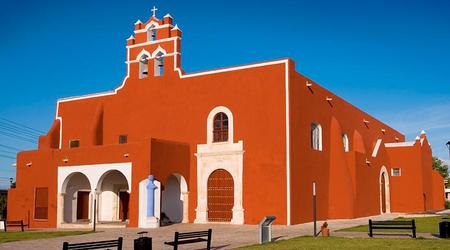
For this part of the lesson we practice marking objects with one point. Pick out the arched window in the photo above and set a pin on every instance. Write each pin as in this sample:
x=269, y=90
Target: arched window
x=159, y=64
x=316, y=137
x=151, y=33
x=345, y=142
x=220, y=127
x=143, y=67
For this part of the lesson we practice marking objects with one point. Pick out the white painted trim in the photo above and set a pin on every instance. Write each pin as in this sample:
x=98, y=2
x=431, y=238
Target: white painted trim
x=165, y=55
x=174, y=38
x=376, y=148
x=93, y=172
x=210, y=122
x=142, y=53
x=60, y=130
x=288, y=147
x=68, y=99
x=146, y=28
x=158, y=50
x=387, y=190
x=399, y=144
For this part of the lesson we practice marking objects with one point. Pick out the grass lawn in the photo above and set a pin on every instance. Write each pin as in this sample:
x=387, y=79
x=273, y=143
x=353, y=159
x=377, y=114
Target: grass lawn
x=32, y=235
x=423, y=225
x=308, y=242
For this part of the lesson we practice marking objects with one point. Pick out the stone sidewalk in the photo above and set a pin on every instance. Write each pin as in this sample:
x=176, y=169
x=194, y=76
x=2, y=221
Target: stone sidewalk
x=224, y=236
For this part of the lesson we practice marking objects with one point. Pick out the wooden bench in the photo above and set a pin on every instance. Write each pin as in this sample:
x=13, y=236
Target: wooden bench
x=191, y=237
x=14, y=223
x=392, y=224
x=94, y=244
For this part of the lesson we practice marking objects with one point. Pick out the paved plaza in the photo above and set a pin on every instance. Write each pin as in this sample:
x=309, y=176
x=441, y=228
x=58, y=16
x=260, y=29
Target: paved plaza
x=224, y=236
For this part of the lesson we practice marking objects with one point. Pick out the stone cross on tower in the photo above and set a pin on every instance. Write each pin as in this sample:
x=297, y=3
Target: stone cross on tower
x=154, y=11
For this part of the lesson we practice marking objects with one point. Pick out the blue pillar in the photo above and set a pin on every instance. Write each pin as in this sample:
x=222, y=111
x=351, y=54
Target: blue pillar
x=151, y=196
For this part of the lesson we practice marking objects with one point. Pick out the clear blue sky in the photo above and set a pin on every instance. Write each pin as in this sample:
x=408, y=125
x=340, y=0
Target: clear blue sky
x=390, y=58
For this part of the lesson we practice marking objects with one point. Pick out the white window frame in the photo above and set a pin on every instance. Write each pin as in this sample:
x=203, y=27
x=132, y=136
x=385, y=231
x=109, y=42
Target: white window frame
x=315, y=126
x=399, y=172
x=346, y=142
x=210, y=122
x=151, y=33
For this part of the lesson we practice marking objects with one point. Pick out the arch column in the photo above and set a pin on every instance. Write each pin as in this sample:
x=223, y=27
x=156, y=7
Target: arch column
x=60, y=209
x=387, y=190
x=185, y=199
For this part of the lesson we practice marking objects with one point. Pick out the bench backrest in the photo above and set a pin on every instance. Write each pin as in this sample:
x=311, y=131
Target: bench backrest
x=94, y=245
x=393, y=223
x=14, y=222
x=189, y=235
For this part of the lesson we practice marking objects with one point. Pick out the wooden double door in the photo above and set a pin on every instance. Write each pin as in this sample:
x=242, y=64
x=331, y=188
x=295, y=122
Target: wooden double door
x=220, y=196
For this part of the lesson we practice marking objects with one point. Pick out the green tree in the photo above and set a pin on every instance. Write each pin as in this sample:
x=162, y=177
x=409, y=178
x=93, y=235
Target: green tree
x=440, y=166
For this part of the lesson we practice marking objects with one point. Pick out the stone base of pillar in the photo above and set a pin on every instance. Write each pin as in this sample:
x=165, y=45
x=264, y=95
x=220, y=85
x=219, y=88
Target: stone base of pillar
x=201, y=216
x=151, y=222
x=238, y=216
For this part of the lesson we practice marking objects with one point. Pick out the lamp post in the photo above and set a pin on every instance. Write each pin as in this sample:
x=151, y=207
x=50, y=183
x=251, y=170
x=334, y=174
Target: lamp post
x=314, y=208
x=448, y=146
x=95, y=208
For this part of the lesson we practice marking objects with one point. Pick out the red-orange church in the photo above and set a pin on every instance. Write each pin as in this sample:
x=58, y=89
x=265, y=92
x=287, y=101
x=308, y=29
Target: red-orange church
x=226, y=145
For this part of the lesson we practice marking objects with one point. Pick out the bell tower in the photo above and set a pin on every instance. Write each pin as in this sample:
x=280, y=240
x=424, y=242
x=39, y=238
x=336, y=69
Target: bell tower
x=154, y=48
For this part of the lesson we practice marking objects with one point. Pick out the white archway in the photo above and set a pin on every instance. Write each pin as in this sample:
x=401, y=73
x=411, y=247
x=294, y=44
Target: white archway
x=174, y=201
x=76, y=195
x=387, y=195
x=93, y=173
x=112, y=196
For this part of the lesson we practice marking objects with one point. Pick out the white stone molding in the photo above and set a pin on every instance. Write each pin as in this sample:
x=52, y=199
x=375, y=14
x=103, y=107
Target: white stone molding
x=210, y=121
x=387, y=189
x=222, y=155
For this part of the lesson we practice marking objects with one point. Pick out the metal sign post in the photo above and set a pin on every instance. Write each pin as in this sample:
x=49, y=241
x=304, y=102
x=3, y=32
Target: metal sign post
x=314, y=208
x=265, y=229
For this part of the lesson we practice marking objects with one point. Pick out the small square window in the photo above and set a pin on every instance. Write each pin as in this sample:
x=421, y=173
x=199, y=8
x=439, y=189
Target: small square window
x=74, y=143
x=123, y=139
x=396, y=172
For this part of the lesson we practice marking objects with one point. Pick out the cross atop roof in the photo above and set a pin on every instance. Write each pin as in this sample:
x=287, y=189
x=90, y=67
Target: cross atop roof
x=154, y=11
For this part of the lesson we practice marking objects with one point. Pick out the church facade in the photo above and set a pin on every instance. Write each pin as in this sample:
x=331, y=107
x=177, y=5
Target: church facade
x=230, y=145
